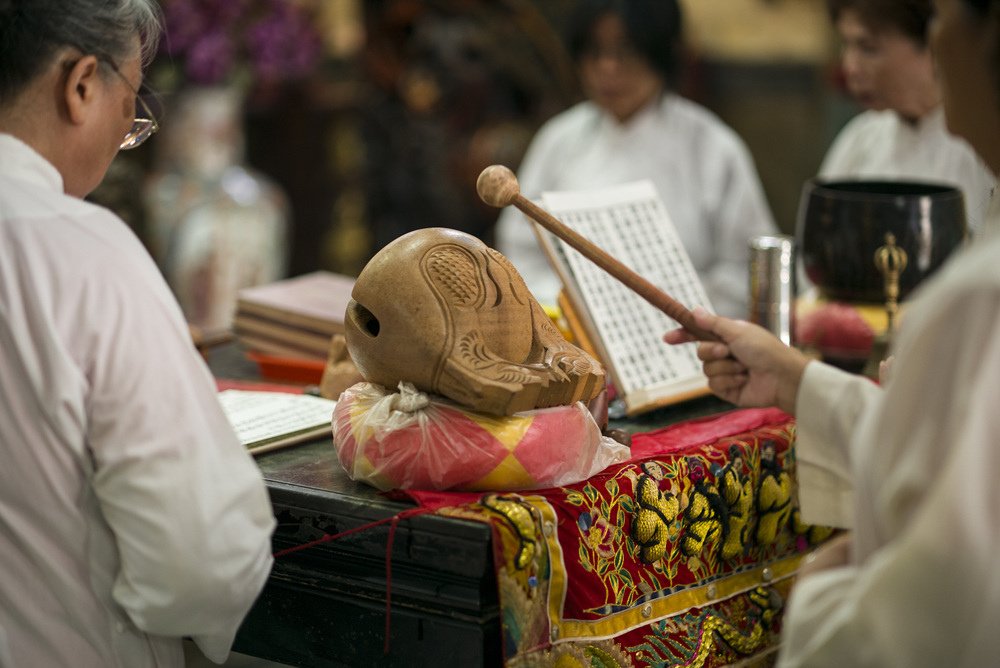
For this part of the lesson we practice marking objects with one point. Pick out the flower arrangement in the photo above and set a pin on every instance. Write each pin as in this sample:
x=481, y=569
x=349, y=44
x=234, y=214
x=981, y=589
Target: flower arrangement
x=248, y=42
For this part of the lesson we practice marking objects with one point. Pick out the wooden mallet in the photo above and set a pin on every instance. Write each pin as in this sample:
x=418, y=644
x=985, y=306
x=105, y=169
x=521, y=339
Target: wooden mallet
x=497, y=186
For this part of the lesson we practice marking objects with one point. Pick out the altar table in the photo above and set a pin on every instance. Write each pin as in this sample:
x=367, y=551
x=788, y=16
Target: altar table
x=677, y=558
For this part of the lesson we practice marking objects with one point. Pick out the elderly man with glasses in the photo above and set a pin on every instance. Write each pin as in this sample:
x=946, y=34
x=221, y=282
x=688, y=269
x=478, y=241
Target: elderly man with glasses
x=130, y=516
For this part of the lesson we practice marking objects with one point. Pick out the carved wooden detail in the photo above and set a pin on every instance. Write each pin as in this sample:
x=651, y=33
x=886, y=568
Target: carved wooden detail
x=440, y=309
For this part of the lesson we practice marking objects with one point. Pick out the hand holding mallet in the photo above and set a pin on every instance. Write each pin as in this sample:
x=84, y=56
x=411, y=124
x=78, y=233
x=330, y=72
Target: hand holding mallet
x=497, y=186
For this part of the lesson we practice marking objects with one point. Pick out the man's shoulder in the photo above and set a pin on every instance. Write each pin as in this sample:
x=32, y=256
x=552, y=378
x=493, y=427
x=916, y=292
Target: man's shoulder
x=39, y=216
x=689, y=119
x=71, y=242
x=571, y=122
x=862, y=145
x=689, y=110
x=869, y=124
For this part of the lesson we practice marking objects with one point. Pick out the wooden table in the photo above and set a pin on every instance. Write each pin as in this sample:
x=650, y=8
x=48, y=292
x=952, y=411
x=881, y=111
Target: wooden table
x=326, y=605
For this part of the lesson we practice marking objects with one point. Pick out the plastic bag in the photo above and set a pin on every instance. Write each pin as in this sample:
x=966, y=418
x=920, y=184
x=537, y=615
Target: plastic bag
x=410, y=440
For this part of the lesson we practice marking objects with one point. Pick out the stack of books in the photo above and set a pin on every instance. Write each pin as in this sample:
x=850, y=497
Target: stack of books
x=294, y=317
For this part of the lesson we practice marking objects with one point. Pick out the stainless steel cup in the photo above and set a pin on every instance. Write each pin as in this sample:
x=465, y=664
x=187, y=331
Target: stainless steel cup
x=772, y=284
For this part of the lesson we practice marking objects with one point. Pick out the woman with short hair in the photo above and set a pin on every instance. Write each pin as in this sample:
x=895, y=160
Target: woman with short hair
x=888, y=69
x=634, y=126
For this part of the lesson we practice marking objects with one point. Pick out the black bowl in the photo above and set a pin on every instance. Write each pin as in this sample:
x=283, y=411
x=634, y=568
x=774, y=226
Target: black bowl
x=841, y=224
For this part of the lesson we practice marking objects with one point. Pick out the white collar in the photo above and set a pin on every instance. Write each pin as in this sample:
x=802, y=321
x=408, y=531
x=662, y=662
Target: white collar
x=23, y=163
x=932, y=121
x=644, y=116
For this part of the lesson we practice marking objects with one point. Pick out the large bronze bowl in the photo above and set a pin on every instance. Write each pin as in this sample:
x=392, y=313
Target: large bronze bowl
x=841, y=225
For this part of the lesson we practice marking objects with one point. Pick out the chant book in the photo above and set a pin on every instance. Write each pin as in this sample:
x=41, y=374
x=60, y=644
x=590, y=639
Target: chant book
x=266, y=421
x=631, y=223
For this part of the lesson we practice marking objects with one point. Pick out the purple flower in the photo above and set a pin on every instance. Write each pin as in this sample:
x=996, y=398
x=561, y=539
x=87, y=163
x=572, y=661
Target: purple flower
x=228, y=12
x=282, y=44
x=210, y=58
x=214, y=39
x=184, y=22
x=599, y=538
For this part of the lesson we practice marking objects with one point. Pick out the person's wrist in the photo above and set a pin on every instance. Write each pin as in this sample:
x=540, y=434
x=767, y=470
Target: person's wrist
x=788, y=388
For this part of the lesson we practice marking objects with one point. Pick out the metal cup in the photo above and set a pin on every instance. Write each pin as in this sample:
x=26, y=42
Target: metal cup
x=772, y=284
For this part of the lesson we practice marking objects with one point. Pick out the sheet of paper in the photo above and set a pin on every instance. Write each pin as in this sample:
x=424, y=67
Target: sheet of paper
x=262, y=418
x=631, y=223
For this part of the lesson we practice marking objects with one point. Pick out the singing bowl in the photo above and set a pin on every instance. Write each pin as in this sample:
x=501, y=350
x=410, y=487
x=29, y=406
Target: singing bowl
x=841, y=224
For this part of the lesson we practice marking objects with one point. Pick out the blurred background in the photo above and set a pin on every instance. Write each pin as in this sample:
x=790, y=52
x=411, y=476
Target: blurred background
x=299, y=135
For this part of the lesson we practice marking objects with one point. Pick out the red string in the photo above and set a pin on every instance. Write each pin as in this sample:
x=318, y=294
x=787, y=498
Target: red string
x=401, y=515
x=388, y=581
x=394, y=520
x=328, y=537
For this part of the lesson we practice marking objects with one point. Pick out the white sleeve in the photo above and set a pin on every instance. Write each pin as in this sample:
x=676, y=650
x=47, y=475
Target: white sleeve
x=828, y=406
x=5, y=659
x=741, y=212
x=186, y=502
x=924, y=588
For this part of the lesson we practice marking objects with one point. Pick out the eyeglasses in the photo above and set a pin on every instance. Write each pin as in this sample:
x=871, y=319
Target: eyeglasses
x=142, y=128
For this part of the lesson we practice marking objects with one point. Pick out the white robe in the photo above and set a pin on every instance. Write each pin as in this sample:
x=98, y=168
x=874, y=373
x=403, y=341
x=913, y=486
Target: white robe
x=879, y=144
x=922, y=463
x=701, y=169
x=130, y=515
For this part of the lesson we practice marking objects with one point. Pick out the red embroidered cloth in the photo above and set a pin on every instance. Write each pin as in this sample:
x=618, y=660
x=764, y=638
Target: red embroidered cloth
x=681, y=556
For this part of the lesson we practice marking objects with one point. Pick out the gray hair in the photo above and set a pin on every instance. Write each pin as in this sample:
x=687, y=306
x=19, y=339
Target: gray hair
x=33, y=31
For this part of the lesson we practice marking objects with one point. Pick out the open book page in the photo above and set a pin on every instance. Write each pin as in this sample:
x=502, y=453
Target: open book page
x=265, y=421
x=631, y=224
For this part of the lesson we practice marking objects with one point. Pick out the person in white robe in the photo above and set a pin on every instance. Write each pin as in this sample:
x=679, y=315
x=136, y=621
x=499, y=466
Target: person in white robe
x=130, y=515
x=632, y=127
x=915, y=463
x=887, y=68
